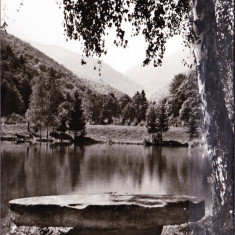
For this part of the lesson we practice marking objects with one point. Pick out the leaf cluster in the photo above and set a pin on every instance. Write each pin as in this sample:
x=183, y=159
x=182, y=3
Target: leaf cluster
x=158, y=20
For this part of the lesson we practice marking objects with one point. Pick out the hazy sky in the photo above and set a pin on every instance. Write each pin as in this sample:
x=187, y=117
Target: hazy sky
x=42, y=21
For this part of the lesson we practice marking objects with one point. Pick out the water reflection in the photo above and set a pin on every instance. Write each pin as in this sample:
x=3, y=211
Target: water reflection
x=38, y=170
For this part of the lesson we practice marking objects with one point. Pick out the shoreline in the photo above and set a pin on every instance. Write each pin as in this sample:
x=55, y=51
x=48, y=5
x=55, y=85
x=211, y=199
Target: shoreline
x=108, y=134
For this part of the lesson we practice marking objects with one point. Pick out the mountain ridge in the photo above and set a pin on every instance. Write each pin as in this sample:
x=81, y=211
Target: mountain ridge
x=153, y=78
x=90, y=68
x=21, y=64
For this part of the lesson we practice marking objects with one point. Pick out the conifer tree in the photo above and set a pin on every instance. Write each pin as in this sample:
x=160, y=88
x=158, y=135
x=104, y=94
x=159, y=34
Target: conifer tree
x=76, y=118
x=151, y=122
x=144, y=106
x=62, y=128
x=162, y=121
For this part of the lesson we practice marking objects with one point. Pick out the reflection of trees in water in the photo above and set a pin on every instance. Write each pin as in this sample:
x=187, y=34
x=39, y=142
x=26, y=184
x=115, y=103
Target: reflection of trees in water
x=177, y=170
x=156, y=161
x=140, y=173
x=170, y=167
x=75, y=157
x=48, y=170
x=37, y=170
x=108, y=162
x=173, y=174
x=12, y=169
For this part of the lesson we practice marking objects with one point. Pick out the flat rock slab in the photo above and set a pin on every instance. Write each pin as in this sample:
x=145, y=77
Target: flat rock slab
x=106, y=211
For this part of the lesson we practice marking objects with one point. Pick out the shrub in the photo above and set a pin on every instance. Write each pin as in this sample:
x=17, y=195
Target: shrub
x=16, y=118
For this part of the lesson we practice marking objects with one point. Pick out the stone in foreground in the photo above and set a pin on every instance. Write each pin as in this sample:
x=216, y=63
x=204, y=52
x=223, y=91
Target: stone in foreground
x=106, y=211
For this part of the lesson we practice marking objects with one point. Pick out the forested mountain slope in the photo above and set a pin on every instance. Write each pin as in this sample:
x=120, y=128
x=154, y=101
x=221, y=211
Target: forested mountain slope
x=90, y=68
x=43, y=91
x=22, y=66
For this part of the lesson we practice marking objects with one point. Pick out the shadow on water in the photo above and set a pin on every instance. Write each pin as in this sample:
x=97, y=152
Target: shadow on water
x=41, y=169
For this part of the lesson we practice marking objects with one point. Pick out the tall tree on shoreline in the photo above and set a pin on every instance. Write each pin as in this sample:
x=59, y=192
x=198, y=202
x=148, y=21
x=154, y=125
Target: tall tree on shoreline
x=38, y=103
x=44, y=102
x=206, y=23
x=76, y=118
x=162, y=121
x=151, y=122
x=144, y=105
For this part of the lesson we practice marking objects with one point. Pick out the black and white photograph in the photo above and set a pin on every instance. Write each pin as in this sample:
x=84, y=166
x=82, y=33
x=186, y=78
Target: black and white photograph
x=117, y=117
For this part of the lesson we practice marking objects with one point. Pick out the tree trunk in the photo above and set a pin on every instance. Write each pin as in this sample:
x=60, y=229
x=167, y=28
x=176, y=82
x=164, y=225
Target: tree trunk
x=218, y=130
x=28, y=127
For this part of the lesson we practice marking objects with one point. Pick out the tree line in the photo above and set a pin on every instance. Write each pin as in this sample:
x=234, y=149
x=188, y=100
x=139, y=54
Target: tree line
x=108, y=109
x=183, y=107
x=53, y=108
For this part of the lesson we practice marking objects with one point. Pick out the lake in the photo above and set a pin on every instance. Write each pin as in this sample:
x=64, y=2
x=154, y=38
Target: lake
x=44, y=169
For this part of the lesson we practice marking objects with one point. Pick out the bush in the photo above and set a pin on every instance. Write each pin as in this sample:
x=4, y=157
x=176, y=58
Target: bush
x=63, y=136
x=16, y=118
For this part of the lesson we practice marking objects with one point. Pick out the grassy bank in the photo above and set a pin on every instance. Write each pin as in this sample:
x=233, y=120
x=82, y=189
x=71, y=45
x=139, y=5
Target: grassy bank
x=109, y=133
x=133, y=134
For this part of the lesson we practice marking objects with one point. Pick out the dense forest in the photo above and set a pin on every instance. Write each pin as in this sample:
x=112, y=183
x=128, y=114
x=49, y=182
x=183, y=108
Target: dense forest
x=183, y=107
x=37, y=88
x=43, y=93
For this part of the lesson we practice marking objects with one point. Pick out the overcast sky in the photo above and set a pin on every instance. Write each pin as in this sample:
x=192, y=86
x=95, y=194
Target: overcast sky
x=42, y=21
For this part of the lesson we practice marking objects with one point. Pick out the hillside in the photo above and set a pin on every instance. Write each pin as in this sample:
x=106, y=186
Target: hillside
x=90, y=69
x=161, y=93
x=152, y=78
x=21, y=65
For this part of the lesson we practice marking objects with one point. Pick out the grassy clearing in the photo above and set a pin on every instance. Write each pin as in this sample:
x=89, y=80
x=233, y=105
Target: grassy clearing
x=107, y=133
x=133, y=134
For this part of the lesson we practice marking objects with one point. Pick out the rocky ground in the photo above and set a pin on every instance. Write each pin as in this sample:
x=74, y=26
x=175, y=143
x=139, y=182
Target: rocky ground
x=202, y=227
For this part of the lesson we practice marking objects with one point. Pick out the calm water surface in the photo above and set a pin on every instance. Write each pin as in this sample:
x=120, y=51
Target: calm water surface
x=37, y=170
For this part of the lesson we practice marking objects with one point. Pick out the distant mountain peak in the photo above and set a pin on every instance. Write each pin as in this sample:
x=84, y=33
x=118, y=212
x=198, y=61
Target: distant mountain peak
x=153, y=78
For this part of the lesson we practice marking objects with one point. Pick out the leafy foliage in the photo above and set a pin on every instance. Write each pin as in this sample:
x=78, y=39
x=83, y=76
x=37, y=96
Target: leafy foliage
x=23, y=64
x=184, y=100
x=35, y=85
x=12, y=101
x=135, y=109
x=157, y=122
x=44, y=102
x=62, y=126
x=88, y=20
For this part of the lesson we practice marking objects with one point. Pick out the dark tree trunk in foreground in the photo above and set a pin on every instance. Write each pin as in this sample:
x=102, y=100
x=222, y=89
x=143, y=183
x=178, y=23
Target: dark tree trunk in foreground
x=219, y=133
